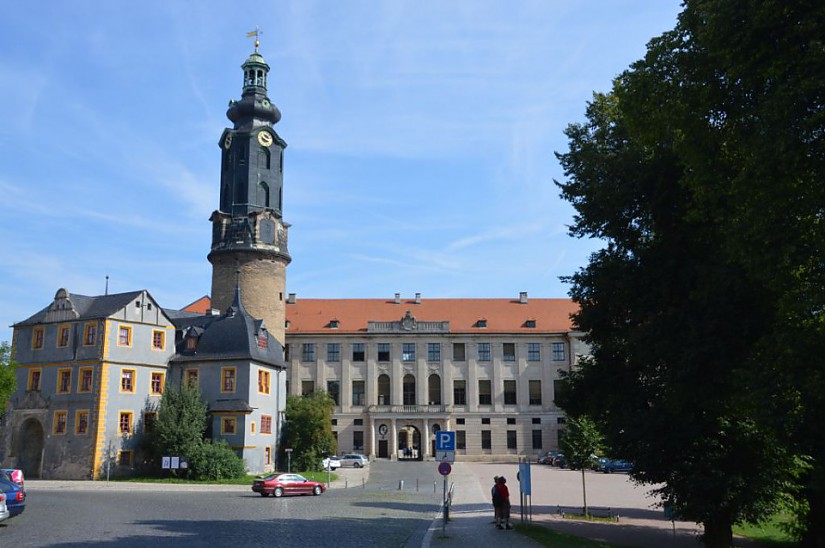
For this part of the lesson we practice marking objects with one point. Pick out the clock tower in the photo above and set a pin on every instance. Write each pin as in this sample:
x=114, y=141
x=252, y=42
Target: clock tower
x=249, y=235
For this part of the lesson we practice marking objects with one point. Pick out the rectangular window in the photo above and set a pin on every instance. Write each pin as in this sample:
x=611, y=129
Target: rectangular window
x=263, y=340
x=333, y=352
x=509, y=350
x=384, y=352
x=81, y=422
x=228, y=425
x=90, y=334
x=486, y=439
x=61, y=419
x=63, y=336
x=263, y=381
x=158, y=340
x=150, y=419
x=64, y=381
x=192, y=376
x=358, y=440
x=485, y=393
x=125, y=422
x=460, y=439
x=85, y=380
x=459, y=353
x=38, y=336
x=227, y=379
x=533, y=352
x=459, y=392
x=511, y=439
x=537, y=439
x=535, y=393
x=460, y=421
x=483, y=352
x=287, y=352
x=267, y=456
x=334, y=391
x=124, y=336
x=266, y=424
x=510, y=397
x=358, y=354
x=252, y=427
x=125, y=458
x=511, y=420
x=433, y=352
x=156, y=384
x=358, y=393
x=34, y=379
x=307, y=388
x=308, y=352
x=127, y=380
x=558, y=352
x=536, y=420
x=485, y=420
x=408, y=352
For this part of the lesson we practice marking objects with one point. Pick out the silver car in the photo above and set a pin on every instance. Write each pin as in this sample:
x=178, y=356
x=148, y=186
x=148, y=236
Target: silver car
x=4, y=510
x=354, y=460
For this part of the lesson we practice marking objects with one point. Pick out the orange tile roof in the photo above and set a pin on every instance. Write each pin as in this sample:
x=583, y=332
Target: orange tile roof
x=312, y=316
x=200, y=306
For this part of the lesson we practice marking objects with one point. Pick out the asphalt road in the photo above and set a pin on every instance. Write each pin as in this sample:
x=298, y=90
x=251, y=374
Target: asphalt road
x=378, y=514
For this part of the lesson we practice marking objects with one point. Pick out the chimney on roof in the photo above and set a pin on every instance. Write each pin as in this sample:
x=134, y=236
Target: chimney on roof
x=522, y=297
x=418, y=298
x=398, y=298
x=290, y=298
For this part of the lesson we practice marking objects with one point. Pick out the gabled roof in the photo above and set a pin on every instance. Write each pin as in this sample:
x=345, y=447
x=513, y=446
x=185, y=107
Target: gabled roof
x=84, y=307
x=199, y=306
x=313, y=316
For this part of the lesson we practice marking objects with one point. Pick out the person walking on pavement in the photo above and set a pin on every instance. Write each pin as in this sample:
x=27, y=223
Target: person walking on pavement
x=496, y=506
x=501, y=496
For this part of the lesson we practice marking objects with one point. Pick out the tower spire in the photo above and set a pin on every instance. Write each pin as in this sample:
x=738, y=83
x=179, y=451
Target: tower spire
x=257, y=32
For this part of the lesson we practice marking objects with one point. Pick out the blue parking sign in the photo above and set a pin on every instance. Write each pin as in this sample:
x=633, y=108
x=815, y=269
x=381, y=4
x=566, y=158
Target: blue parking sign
x=445, y=441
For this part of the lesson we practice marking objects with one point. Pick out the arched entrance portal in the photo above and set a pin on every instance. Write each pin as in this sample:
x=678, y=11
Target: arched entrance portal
x=30, y=448
x=409, y=443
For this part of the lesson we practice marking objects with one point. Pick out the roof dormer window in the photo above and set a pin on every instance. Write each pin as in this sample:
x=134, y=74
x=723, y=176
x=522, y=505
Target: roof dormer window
x=333, y=324
x=481, y=323
x=263, y=340
x=191, y=342
x=530, y=323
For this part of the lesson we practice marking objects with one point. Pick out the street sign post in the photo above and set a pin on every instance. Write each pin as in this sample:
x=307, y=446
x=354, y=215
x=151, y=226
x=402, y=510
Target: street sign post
x=444, y=468
x=445, y=446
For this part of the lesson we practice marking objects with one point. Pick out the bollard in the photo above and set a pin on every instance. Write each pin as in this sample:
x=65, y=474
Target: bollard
x=416, y=485
x=400, y=485
x=363, y=483
x=346, y=483
x=434, y=487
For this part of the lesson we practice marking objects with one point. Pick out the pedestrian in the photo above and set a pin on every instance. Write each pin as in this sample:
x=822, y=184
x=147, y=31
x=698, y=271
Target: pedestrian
x=496, y=501
x=502, y=496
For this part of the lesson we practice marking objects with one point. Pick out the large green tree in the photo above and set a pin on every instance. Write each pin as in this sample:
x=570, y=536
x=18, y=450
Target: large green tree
x=309, y=429
x=701, y=170
x=181, y=422
x=8, y=377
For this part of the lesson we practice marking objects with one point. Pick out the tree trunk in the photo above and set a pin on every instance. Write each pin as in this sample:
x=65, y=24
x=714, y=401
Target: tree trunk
x=814, y=536
x=718, y=533
x=584, y=494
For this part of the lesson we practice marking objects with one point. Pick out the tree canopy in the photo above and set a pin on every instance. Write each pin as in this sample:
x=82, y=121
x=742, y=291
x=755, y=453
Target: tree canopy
x=580, y=442
x=8, y=377
x=702, y=170
x=309, y=429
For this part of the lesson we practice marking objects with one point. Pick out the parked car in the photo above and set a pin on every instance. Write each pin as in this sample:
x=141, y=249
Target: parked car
x=600, y=463
x=548, y=457
x=15, y=475
x=4, y=510
x=333, y=462
x=617, y=466
x=15, y=495
x=280, y=484
x=354, y=460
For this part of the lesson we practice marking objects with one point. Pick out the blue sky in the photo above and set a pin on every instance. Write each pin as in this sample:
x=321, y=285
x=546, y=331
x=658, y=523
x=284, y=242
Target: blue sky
x=421, y=137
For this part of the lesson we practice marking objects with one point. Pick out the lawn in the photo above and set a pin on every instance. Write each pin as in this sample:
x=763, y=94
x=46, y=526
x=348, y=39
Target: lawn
x=548, y=537
x=768, y=534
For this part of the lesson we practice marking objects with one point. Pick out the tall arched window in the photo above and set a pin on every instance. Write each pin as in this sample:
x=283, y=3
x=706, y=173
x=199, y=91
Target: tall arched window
x=434, y=385
x=264, y=158
x=263, y=189
x=384, y=390
x=409, y=390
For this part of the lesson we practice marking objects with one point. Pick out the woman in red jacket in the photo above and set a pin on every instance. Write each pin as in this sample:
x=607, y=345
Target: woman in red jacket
x=501, y=500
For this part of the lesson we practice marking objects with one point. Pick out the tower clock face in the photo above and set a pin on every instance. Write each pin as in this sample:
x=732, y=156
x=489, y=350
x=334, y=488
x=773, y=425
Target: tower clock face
x=265, y=138
x=227, y=141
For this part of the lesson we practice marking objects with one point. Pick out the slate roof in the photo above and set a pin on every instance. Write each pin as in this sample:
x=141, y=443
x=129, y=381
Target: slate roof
x=231, y=336
x=88, y=308
x=234, y=406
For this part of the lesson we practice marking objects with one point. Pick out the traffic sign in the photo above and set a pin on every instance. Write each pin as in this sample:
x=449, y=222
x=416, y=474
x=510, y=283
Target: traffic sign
x=444, y=441
x=445, y=456
x=445, y=468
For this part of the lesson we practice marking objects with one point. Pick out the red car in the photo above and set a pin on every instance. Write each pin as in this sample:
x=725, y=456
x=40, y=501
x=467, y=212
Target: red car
x=280, y=484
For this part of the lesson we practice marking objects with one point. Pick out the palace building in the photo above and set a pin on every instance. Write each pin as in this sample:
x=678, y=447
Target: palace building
x=91, y=369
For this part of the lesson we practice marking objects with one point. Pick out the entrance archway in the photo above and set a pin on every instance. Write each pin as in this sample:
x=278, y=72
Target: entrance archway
x=30, y=448
x=409, y=443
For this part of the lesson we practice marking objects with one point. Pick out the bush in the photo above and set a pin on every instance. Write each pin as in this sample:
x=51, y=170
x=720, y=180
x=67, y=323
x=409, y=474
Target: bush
x=216, y=461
